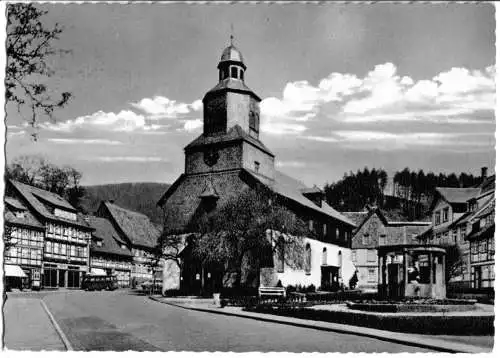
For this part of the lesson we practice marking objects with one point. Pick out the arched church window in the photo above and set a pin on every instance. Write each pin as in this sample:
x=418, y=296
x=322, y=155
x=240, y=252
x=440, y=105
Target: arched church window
x=325, y=257
x=308, y=259
x=234, y=72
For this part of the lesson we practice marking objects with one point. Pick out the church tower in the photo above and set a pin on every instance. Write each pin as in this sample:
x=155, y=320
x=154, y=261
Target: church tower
x=231, y=102
x=231, y=125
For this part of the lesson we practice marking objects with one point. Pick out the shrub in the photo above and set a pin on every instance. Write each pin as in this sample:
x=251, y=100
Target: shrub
x=171, y=293
x=353, y=282
x=311, y=288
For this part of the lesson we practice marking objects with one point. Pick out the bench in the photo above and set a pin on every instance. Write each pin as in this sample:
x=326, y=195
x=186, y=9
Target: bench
x=272, y=291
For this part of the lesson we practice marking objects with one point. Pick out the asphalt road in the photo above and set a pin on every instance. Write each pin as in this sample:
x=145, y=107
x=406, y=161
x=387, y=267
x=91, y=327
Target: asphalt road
x=123, y=320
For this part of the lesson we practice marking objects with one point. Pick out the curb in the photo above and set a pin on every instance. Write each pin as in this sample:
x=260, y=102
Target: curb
x=58, y=329
x=442, y=346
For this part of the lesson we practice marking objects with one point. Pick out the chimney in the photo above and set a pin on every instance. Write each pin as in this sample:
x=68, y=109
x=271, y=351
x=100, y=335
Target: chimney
x=484, y=173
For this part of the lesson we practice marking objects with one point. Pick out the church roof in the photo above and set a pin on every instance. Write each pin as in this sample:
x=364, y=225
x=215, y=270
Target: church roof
x=231, y=53
x=232, y=84
x=292, y=189
x=233, y=134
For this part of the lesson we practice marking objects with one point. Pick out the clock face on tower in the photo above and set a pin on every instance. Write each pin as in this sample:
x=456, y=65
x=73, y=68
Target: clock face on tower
x=210, y=156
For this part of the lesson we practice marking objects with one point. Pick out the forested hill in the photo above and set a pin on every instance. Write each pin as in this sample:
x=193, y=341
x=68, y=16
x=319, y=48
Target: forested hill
x=140, y=197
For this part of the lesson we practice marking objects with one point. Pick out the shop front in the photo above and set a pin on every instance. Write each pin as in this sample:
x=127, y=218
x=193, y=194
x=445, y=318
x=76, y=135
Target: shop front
x=62, y=275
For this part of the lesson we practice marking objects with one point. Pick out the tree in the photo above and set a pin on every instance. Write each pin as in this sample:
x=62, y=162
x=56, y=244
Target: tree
x=248, y=226
x=454, y=262
x=355, y=191
x=29, y=45
x=36, y=171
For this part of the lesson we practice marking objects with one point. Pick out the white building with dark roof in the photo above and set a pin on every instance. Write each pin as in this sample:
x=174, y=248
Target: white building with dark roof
x=66, y=239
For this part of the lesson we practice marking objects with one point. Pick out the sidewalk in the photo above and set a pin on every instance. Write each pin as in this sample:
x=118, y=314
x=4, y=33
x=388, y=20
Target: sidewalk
x=28, y=327
x=458, y=344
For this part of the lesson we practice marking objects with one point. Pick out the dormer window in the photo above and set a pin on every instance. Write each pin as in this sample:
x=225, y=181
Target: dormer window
x=65, y=214
x=123, y=246
x=99, y=243
x=445, y=215
x=20, y=214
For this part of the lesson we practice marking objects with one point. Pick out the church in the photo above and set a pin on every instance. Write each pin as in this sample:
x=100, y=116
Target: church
x=228, y=158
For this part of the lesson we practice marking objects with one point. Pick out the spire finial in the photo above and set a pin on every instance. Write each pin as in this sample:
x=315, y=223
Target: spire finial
x=232, y=34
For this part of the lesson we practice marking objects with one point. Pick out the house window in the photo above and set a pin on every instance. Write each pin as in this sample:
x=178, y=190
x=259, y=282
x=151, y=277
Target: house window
x=99, y=243
x=311, y=225
x=371, y=275
x=354, y=256
x=365, y=239
x=242, y=74
x=308, y=259
x=372, y=255
x=324, y=229
x=383, y=239
x=437, y=218
x=256, y=166
x=455, y=235
x=445, y=215
x=325, y=256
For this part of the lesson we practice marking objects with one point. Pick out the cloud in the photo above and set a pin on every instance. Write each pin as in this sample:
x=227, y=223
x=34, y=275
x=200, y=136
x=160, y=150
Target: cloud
x=84, y=141
x=454, y=97
x=160, y=107
x=129, y=159
x=11, y=134
x=192, y=125
x=147, y=116
x=123, y=121
x=362, y=139
x=290, y=164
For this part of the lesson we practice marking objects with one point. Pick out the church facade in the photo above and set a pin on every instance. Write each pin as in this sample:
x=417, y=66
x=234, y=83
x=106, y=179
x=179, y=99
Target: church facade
x=229, y=158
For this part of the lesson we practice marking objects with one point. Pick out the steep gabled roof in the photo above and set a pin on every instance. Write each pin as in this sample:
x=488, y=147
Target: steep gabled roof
x=28, y=219
x=235, y=133
x=41, y=201
x=138, y=228
x=292, y=189
x=458, y=195
x=485, y=232
x=357, y=217
x=111, y=241
x=14, y=203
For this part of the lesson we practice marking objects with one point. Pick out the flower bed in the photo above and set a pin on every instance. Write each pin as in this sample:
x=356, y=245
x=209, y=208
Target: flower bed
x=414, y=305
x=425, y=323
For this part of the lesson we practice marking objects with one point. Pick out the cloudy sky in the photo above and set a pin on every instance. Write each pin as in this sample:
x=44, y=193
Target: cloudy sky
x=343, y=87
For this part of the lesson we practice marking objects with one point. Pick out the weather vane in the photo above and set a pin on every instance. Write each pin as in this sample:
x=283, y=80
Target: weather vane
x=232, y=34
